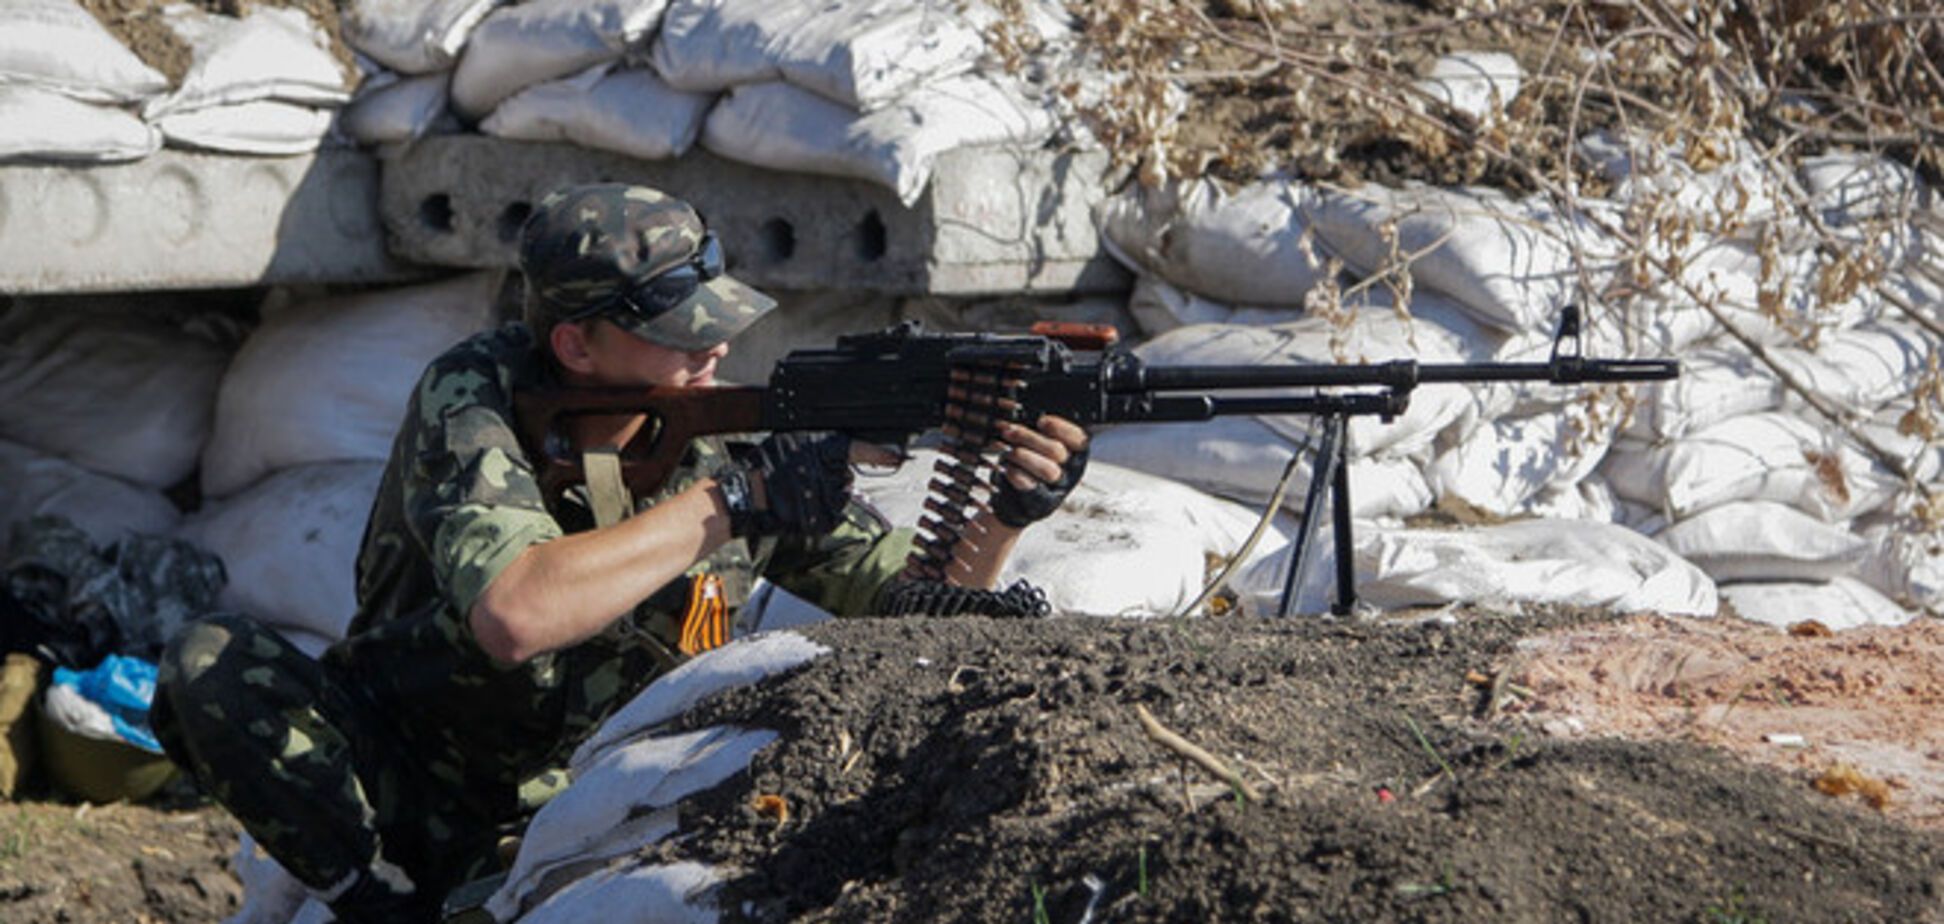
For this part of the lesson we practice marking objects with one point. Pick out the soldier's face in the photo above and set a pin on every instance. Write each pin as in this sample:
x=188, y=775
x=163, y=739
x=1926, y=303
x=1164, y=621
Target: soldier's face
x=618, y=358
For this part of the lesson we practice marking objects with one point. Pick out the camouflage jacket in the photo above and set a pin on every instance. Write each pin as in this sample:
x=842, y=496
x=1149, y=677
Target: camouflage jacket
x=459, y=501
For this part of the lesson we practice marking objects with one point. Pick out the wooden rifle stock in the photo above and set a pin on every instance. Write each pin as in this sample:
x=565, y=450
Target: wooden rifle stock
x=658, y=425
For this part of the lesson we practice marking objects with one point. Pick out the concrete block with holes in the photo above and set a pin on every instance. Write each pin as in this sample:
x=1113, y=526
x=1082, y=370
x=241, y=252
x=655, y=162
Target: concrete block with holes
x=993, y=221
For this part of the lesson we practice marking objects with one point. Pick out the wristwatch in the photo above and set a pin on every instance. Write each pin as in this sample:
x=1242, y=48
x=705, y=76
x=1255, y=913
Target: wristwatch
x=733, y=482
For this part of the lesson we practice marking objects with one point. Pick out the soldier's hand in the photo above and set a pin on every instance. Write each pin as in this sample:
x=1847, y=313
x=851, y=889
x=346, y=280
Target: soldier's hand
x=799, y=484
x=1040, y=468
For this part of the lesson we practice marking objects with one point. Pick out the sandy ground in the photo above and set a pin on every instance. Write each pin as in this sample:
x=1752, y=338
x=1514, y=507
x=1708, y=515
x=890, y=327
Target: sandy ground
x=1865, y=699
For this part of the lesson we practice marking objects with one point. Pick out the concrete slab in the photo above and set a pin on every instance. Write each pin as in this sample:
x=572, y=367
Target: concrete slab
x=993, y=221
x=179, y=220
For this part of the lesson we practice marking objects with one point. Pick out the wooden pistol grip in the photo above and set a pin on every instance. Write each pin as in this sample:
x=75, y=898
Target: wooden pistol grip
x=1078, y=336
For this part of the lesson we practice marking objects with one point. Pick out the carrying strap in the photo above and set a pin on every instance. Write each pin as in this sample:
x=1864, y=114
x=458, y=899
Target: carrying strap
x=606, y=492
x=704, y=623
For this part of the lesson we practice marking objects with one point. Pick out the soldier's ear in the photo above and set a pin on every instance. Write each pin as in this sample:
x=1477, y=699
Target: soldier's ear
x=570, y=347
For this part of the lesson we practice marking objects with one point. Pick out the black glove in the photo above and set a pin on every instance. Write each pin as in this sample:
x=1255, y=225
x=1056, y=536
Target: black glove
x=806, y=478
x=1020, y=508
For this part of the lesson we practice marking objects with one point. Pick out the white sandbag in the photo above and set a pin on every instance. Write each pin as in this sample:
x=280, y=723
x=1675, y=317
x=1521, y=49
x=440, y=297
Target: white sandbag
x=771, y=608
x=1158, y=307
x=742, y=662
x=42, y=125
x=1732, y=194
x=628, y=112
x=1590, y=498
x=1502, y=464
x=1730, y=274
x=1842, y=603
x=866, y=53
x=706, y=46
x=1124, y=543
x=264, y=127
x=1506, y=261
x=272, y=53
x=1899, y=430
x=1240, y=459
x=290, y=544
x=1768, y=456
x=1478, y=84
x=533, y=883
x=669, y=893
x=1366, y=336
x=519, y=46
x=399, y=111
x=784, y=127
x=1906, y=563
x=1252, y=247
x=622, y=785
x=108, y=509
x=1531, y=561
x=58, y=45
x=1852, y=187
x=329, y=380
x=115, y=392
x=1862, y=368
x=1666, y=321
x=412, y=36
x=1715, y=384
x=1764, y=541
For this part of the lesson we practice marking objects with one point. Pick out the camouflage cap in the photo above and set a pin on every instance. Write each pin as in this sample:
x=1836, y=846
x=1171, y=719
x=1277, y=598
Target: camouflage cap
x=639, y=257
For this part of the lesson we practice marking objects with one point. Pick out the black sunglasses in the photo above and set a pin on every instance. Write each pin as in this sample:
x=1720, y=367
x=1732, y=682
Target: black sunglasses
x=661, y=293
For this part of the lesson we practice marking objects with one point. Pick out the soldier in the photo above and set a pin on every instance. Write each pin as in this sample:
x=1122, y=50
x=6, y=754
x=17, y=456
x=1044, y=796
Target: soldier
x=493, y=633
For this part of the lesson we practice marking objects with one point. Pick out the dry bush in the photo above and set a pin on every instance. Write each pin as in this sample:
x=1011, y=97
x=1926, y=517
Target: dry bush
x=1323, y=91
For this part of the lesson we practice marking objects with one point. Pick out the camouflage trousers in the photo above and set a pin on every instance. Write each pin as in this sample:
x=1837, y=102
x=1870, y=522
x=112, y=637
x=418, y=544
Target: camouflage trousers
x=314, y=774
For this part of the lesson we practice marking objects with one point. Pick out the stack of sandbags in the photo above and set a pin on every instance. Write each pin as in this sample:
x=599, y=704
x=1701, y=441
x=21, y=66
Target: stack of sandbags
x=264, y=83
x=416, y=46
x=67, y=87
x=1796, y=516
x=107, y=407
x=1724, y=459
x=304, y=421
x=870, y=89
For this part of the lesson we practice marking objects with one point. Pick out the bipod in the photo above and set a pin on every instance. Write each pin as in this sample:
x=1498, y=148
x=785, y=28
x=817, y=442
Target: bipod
x=1329, y=472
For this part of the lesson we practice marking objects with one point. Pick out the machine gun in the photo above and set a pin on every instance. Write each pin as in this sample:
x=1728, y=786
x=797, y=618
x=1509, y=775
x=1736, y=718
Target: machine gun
x=891, y=386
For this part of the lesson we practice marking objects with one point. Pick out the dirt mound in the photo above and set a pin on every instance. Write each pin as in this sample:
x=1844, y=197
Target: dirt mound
x=974, y=770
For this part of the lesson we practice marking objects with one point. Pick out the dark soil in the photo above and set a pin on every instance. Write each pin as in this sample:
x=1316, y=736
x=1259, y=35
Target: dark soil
x=973, y=770
x=71, y=863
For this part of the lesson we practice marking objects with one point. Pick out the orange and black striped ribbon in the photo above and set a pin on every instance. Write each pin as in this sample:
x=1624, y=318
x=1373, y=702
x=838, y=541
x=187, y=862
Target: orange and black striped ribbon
x=706, y=624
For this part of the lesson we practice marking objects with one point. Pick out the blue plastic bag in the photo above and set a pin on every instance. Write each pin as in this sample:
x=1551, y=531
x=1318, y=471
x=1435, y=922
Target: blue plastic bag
x=123, y=687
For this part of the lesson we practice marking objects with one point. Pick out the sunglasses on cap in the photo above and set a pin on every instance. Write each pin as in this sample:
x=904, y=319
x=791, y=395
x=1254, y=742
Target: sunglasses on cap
x=661, y=293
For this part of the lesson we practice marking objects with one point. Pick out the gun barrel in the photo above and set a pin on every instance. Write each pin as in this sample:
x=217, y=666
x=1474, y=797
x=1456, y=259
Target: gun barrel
x=1402, y=373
